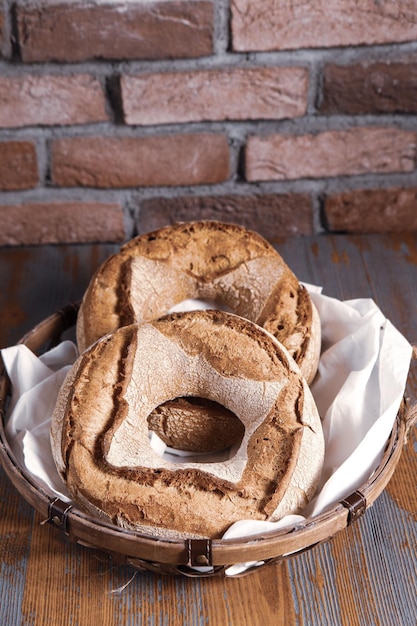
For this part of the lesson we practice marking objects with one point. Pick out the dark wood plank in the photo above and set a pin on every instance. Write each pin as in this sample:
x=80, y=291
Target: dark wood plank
x=368, y=563
x=36, y=281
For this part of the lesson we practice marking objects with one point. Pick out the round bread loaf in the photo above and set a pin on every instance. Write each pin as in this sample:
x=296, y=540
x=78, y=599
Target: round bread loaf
x=208, y=260
x=100, y=430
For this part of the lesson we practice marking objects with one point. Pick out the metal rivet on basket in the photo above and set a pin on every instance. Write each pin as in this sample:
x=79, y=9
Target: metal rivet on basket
x=201, y=559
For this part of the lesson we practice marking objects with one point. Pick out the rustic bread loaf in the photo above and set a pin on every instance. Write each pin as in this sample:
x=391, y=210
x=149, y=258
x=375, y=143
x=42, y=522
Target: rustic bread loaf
x=208, y=260
x=100, y=426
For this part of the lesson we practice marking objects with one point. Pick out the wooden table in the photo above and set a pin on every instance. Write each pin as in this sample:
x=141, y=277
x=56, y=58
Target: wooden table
x=365, y=575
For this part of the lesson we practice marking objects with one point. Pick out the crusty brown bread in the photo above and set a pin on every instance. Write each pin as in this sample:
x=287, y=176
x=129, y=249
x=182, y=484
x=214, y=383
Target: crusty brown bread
x=100, y=437
x=207, y=260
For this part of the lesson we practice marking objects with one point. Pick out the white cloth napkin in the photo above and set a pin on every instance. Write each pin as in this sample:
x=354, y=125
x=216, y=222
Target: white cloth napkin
x=358, y=389
x=35, y=385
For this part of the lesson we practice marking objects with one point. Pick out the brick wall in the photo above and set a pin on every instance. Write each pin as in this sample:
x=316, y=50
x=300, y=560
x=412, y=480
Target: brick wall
x=290, y=118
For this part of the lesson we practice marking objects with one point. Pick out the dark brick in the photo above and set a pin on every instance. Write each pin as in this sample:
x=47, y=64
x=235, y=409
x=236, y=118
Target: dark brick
x=18, y=165
x=372, y=210
x=370, y=89
x=271, y=215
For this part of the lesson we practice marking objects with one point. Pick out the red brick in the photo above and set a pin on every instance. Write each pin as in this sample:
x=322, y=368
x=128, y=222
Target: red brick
x=50, y=100
x=74, y=31
x=221, y=94
x=332, y=153
x=372, y=210
x=271, y=215
x=189, y=159
x=271, y=25
x=18, y=165
x=374, y=88
x=61, y=222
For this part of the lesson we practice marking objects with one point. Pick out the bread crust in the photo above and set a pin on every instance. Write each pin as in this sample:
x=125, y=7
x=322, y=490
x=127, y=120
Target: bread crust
x=208, y=260
x=100, y=430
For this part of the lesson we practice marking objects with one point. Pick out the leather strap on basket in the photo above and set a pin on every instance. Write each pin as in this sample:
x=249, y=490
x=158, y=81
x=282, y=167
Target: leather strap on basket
x=356, y=506
x=69, y=314
x=58, y=514
x=199, y=552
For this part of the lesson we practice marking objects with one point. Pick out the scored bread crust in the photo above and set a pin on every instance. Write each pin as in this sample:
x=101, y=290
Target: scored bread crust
x=99, y=432
x=205, y=260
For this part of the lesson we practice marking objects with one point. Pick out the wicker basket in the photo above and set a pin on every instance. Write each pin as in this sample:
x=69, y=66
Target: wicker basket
x=190, y=557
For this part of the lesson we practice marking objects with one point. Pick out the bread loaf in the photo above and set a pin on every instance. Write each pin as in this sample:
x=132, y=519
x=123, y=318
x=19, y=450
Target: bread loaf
x=100, y=426
x=225, y=263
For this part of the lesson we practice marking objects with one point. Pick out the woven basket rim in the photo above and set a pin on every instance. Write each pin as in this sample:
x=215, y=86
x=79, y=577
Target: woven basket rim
x=147, y=551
